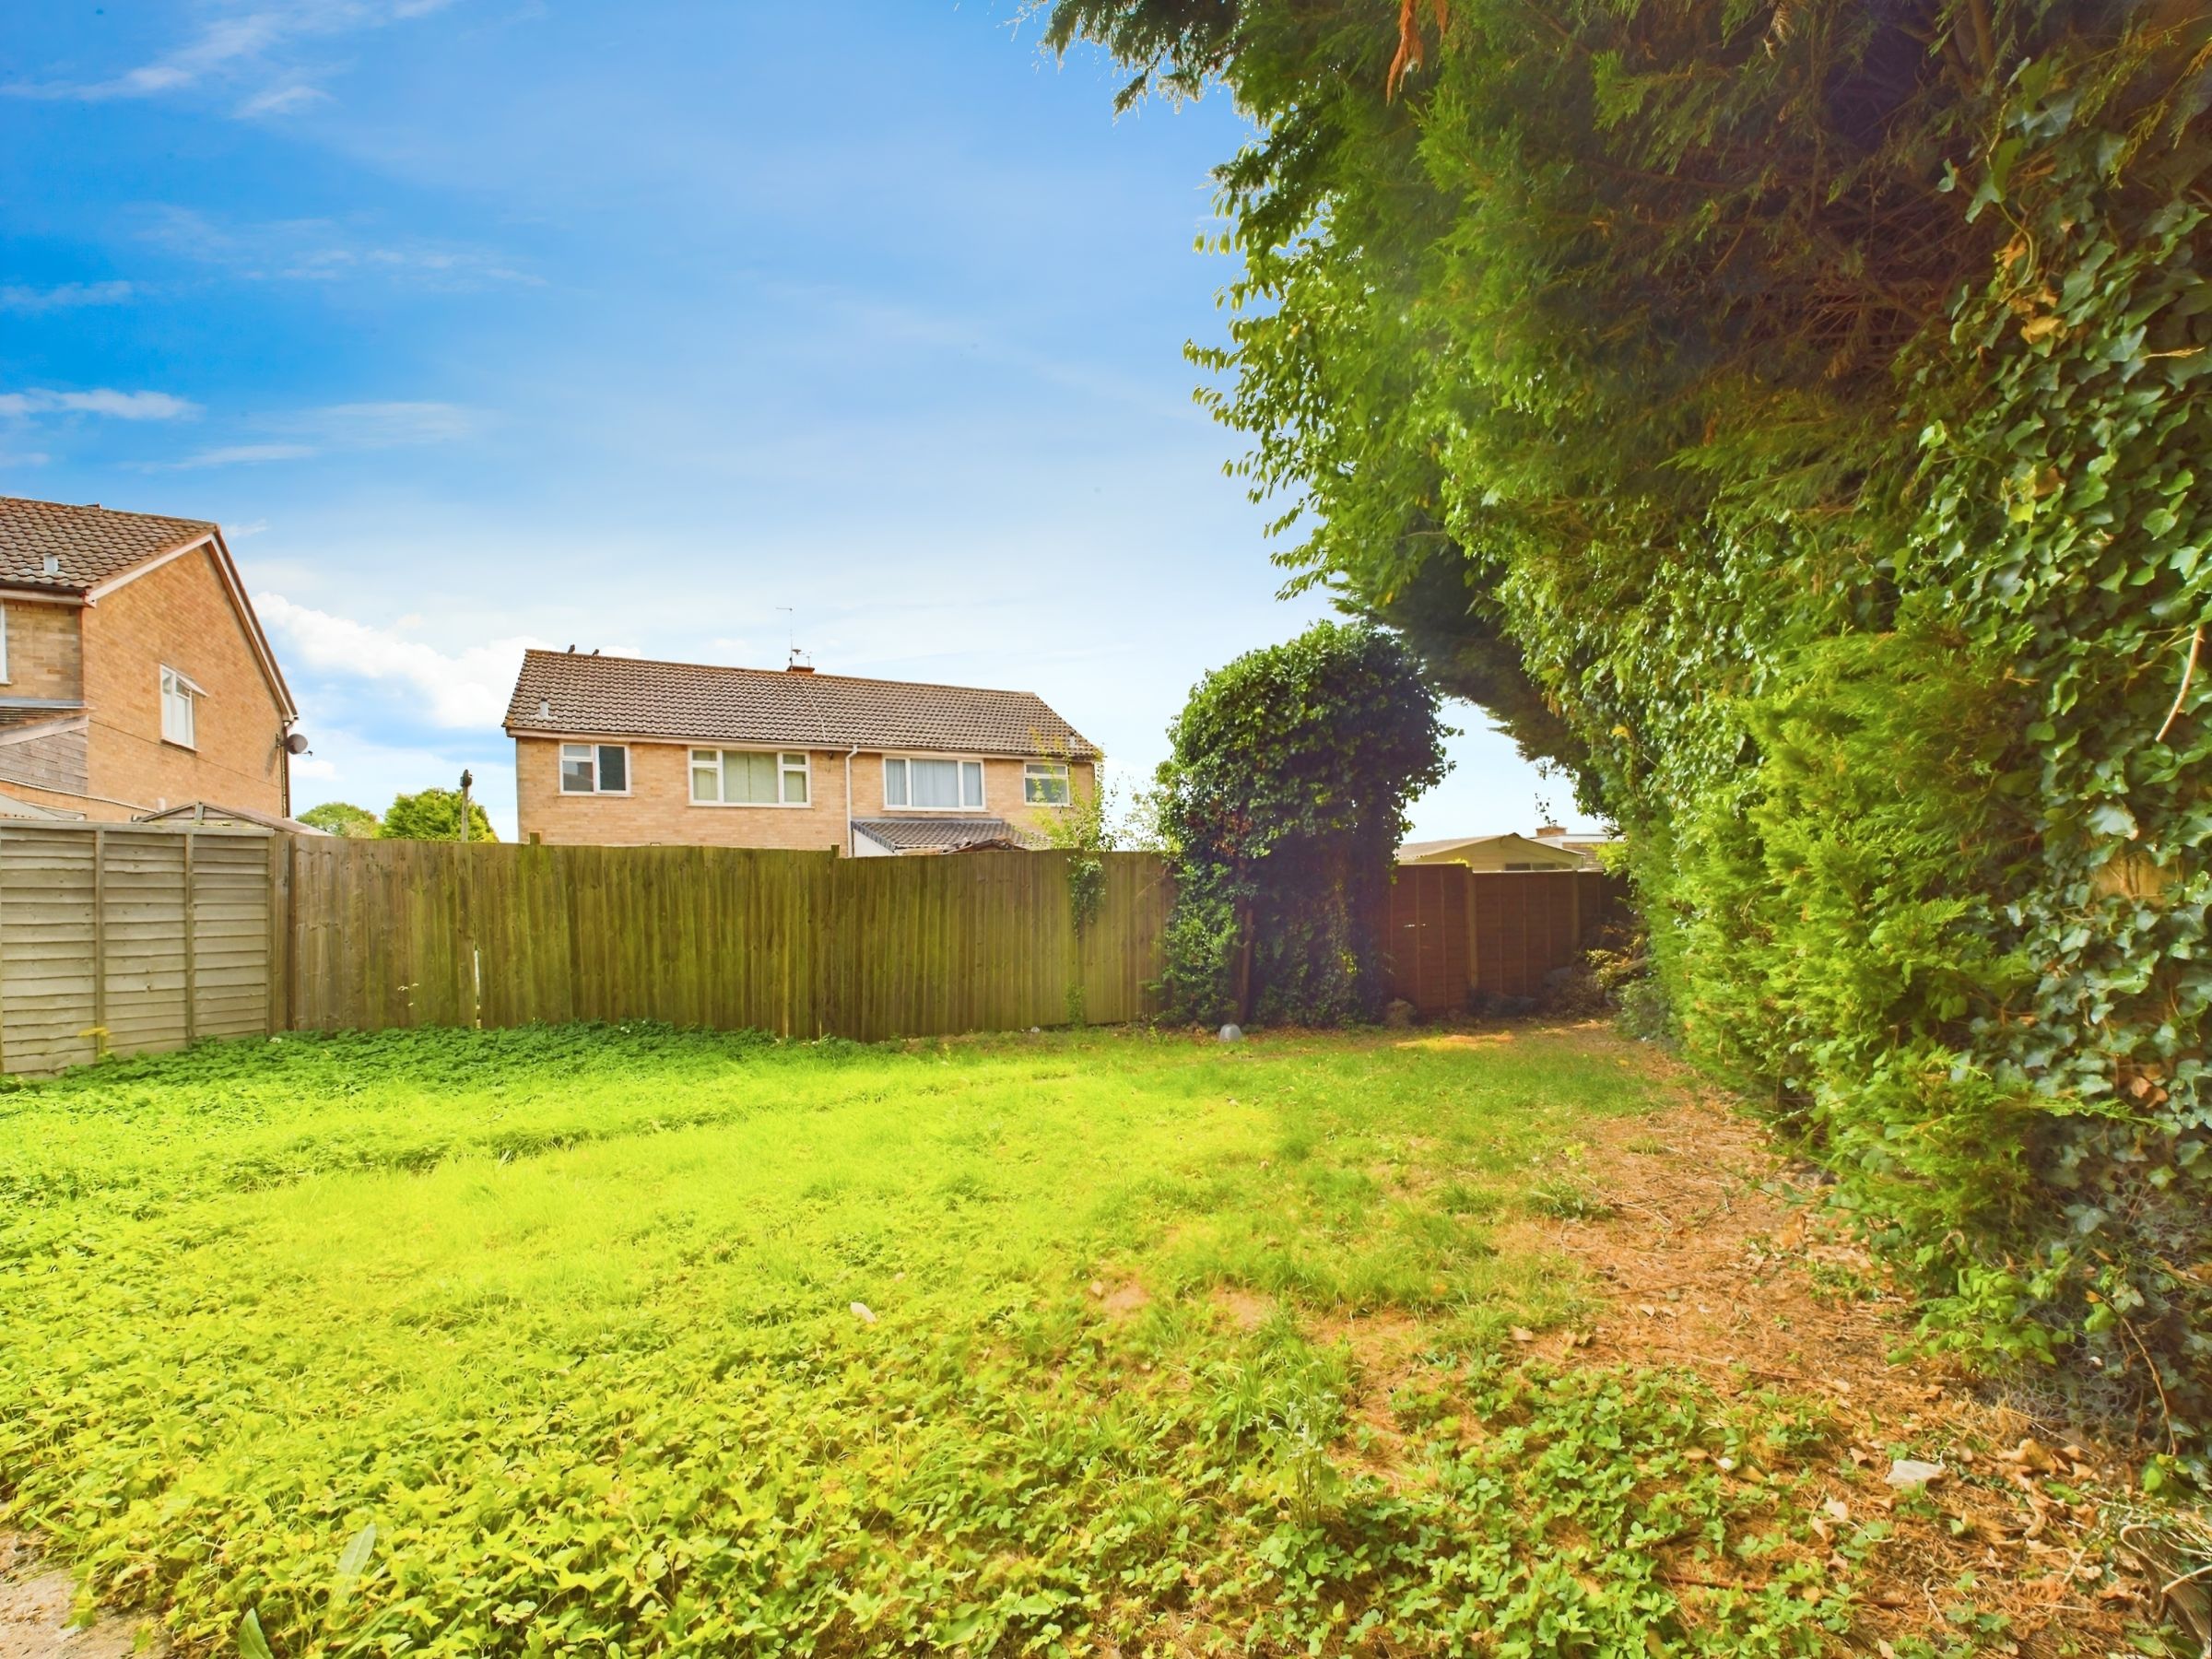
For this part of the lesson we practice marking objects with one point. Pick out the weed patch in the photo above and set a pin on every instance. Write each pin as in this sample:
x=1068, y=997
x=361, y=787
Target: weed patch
x=600, y=1339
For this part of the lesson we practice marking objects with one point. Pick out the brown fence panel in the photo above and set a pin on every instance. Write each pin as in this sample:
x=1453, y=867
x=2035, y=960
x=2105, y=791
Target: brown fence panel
x=803, y=944
x=1426, y=942
x=1454, y=932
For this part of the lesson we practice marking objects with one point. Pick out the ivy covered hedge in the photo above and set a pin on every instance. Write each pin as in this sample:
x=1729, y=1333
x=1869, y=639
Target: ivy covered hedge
x=1790, y=417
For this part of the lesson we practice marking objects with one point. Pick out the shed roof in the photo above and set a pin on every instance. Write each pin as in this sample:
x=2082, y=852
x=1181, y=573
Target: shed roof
x=941, y=835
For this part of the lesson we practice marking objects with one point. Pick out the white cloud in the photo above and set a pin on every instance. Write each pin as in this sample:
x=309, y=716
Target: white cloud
x=67, y=297
x=320, y=250
x=123, y=405
x=341, y=428
x=388, y=425
x=241, y=42
x=282, y=100
x=233, y=454
x=313, y=766
x=462, y=690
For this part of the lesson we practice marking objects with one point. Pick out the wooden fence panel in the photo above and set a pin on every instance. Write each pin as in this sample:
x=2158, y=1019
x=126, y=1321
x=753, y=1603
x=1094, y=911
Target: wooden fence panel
x=129, y=938
x=1454, y=934
x=803, y=944
x=1428, y=934
x=157, y=937
x=231, y=929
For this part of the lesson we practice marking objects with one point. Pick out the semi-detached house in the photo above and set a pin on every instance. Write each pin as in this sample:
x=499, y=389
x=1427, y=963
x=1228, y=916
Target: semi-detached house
x=629, y=751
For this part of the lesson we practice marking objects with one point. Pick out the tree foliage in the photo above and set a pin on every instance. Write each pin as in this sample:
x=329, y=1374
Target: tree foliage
x=433, y=815
x=1282, y=803
x=341, y=819
x=1790, y=415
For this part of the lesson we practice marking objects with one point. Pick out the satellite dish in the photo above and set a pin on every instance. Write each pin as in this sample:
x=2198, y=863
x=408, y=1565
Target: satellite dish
x=295, y=743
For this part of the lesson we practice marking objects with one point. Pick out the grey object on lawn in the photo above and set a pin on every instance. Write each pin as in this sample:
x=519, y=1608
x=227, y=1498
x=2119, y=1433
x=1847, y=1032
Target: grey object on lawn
x=1230, y=1033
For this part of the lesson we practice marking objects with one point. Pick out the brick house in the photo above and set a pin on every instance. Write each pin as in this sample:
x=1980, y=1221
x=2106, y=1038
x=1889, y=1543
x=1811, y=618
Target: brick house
x=133, y=674
x=627, y=751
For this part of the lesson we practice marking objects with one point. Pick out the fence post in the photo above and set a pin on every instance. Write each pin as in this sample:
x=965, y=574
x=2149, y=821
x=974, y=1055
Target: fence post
x=283, y=946
x=191, y=944
x=100, y=941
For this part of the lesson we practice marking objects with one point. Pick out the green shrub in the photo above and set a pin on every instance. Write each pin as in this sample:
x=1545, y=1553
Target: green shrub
x=1282, y=803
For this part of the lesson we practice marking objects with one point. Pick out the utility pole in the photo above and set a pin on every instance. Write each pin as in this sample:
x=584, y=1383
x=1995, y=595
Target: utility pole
x=466, y=780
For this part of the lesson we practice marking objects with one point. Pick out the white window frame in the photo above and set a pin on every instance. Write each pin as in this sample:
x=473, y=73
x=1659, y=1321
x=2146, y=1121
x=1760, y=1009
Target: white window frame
x=1056, y=772
x=982, y=783
x=179, y=693
x=694, y=765
x=561, y=775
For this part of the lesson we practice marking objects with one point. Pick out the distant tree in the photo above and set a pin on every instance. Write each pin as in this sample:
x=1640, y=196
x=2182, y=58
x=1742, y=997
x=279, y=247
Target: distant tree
x=341, y=818
x=433, y=815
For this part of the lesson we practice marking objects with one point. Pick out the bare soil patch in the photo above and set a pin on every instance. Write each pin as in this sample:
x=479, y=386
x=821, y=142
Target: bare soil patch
x=1717, y=1258
x=35, y=1605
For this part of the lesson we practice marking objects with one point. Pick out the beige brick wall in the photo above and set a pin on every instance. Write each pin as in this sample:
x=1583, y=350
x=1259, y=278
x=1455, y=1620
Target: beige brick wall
x=1002, y=792
x=44, y=657
x=180, y=615
x=658, y=807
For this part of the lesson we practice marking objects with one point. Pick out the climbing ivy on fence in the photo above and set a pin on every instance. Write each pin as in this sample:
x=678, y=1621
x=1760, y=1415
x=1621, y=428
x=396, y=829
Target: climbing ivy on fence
x=1790, y=416
x=1282, y=804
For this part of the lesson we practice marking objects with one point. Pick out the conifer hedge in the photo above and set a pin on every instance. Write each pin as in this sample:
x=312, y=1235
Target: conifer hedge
x=1790, y=417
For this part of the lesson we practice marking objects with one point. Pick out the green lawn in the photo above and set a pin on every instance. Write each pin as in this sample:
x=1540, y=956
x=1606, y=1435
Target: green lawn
x=568, y=1317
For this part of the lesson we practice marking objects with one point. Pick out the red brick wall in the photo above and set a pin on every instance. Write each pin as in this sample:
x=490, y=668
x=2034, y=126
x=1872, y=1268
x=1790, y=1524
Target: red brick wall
x=180, y=615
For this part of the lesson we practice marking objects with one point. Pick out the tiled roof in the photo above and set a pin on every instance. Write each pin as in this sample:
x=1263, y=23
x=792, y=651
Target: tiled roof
x=633, y=697
x=940, y=835
x=89, y=544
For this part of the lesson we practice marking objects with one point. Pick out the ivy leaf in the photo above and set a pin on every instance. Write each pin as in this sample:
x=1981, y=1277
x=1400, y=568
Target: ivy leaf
x=252, y=1643
x=2112, y=818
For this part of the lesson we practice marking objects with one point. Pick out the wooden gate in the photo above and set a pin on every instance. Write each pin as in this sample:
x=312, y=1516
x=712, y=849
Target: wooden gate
x=1428, y=936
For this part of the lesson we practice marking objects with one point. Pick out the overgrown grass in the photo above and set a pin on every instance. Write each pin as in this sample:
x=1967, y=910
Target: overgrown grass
x=568, y=1316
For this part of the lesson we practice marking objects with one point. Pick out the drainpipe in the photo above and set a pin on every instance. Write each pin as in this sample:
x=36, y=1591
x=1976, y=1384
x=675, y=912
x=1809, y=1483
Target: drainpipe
x=849, y=754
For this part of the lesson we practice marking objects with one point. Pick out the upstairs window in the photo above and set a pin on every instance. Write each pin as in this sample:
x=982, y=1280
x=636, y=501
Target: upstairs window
x=933, y=785
x=743, y=778
x=178, y=697
x=595, y=769
x=1044, y=784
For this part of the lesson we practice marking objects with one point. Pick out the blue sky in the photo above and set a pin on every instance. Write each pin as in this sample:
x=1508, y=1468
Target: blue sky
x=685, y=329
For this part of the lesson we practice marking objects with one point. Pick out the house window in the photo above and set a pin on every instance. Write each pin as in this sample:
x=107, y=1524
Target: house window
x=178, y=696
x=595, y=769
x=743, y=778
x=1044, y=784
x=933, y=785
